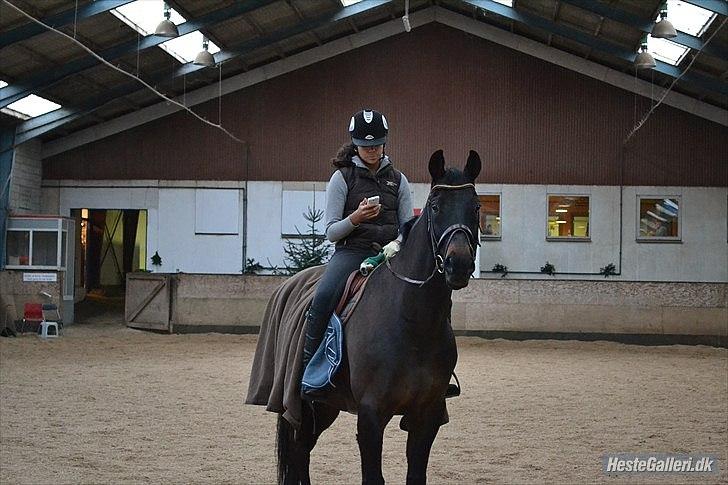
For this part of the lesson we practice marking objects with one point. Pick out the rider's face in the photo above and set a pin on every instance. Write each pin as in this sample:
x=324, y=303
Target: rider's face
x=370, y=155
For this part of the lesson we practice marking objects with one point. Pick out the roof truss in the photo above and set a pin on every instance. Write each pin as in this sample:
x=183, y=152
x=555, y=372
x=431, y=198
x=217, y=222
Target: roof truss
x=42, y=80
x=59, y=20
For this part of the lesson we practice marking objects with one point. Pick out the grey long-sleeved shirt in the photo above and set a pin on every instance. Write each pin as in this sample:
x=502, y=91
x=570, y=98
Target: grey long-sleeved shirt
x=337, y=226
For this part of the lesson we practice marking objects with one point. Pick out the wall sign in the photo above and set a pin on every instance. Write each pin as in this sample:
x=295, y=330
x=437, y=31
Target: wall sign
x=40, y=277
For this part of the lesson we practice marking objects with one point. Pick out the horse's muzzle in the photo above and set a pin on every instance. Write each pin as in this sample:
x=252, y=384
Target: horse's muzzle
x=458, y=265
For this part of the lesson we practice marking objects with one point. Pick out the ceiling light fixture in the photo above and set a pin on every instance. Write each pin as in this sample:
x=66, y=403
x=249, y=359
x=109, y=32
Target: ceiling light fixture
x=644, y=59
x=204, y=58
x=664, y=28
x=166, y=27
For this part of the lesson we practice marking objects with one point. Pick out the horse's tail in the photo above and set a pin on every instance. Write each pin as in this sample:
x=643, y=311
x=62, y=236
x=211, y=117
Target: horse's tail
x=284, y=443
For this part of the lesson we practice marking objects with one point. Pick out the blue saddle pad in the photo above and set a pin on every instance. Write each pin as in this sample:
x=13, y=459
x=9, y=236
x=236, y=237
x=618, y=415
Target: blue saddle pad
x=327, y=359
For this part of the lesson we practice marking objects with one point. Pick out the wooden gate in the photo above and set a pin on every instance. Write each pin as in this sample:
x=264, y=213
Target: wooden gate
x=148, y=298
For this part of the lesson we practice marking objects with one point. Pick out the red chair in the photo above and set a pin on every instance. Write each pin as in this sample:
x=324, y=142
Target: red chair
x=32, y=314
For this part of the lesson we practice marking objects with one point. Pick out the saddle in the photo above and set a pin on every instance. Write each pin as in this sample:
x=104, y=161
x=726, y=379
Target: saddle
x=326, y=361
x=353, y=291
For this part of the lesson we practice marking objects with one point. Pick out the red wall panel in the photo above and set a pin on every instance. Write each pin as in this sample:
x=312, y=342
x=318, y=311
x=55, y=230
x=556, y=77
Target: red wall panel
x=531, y=121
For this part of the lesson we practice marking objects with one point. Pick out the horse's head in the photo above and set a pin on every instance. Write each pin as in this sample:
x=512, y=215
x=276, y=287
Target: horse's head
x=453, y=210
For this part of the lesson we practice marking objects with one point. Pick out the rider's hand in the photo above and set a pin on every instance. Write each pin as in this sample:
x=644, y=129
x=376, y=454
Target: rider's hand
x=391, y=249
x=364, y=212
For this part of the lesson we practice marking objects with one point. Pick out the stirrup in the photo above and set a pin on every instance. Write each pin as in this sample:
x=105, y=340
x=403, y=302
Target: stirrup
x=453, y=390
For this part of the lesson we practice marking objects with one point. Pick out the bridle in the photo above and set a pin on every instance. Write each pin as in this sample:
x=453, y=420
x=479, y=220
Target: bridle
x=437, y=242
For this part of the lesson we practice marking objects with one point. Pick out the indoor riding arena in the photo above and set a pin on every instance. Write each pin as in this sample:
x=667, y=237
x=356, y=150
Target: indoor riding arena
x=166, y=173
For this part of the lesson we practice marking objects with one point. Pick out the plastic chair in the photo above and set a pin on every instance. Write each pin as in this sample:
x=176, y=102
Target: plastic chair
x=45, y=327
x=51, y=314
x=32, y=314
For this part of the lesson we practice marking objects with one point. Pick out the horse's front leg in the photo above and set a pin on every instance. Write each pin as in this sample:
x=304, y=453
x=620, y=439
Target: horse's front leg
x=423, y=425
x=369, y=434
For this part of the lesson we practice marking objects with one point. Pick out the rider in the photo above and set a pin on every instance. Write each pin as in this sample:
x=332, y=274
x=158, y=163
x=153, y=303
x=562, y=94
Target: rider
x=359, y=229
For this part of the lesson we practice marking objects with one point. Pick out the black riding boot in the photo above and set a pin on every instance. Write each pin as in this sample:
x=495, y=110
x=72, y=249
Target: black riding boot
x=314, y=335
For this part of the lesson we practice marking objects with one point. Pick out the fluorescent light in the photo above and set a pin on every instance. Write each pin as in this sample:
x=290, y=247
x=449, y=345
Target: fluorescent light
x=561, y=210
x=2, y=84
x=665, y=211
x=650, y=213
x=560, y=222
x=346, y=3
x=32, y=106
x=507, y=3
x=186, y=47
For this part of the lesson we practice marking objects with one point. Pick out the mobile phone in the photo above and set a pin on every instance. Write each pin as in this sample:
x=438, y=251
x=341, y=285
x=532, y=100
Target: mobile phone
x=373, y=200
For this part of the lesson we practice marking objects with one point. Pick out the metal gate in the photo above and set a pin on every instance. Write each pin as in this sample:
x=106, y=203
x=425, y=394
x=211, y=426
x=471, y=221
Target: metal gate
x=148, y=298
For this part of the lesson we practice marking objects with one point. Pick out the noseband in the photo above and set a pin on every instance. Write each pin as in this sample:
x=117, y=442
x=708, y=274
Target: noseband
x=445, y=237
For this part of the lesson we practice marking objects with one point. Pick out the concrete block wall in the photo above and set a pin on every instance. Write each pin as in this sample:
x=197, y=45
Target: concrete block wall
x=25, y=185
x=593, y=307
x=663, y=312
x=15, y=293
x=225, y=303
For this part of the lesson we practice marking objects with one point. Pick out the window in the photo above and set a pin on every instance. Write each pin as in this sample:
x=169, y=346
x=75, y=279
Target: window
x=568, y=217
x=45, y=248
x=490, y=221
x=41, y=245
x=685, y=17
x=144, y=15
x=658, y=218
x=18, y=248
x=38, y=243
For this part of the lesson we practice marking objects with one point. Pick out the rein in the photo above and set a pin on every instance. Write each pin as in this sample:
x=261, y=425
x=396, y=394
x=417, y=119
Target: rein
x=436, y=243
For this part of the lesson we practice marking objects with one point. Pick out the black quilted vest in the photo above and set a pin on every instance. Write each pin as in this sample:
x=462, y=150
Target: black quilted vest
x=362, y=183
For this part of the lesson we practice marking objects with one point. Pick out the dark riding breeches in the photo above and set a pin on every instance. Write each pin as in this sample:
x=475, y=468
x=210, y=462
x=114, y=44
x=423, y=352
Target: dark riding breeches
x=330, y=288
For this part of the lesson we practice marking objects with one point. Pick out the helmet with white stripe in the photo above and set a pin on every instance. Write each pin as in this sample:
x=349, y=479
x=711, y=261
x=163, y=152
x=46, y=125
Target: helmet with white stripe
x=368, y=128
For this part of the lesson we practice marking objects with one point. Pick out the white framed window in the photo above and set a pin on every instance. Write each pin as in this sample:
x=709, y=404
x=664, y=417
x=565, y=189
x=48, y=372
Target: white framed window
x=568, y=217
x=35, y=249
x=34, y=242
x=658, y=218
x=490, y=216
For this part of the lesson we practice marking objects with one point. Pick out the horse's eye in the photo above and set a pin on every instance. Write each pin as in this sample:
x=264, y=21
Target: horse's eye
x=435, y=208
x=477, y=208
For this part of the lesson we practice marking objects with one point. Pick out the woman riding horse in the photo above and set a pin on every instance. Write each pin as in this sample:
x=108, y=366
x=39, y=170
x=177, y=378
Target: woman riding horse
x=358, y=228
x=399, y=348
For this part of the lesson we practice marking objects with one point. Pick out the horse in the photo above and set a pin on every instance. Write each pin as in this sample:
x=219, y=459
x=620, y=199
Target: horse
x=400, y=348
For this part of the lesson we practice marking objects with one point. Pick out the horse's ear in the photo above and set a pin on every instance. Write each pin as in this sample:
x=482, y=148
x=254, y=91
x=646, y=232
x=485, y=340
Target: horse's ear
x=437, y=165
x=472, y=167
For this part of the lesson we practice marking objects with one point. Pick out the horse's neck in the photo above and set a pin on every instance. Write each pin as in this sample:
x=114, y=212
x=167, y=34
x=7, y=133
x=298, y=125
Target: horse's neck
x=430, y=302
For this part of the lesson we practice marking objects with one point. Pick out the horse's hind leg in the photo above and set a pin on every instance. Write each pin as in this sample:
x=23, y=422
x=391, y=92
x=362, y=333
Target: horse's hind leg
x=324, y=416
x=423, y=427
x=294, y=447
x=294, y=451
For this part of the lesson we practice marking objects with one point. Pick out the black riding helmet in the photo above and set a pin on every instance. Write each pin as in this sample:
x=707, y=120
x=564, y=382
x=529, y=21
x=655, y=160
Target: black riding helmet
x=368, y=128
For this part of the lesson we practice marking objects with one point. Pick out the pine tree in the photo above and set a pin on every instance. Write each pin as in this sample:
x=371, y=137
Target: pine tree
x=311, y=248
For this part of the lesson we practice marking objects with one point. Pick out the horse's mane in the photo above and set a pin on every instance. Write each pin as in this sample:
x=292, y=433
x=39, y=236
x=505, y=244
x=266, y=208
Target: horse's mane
x=405, y=228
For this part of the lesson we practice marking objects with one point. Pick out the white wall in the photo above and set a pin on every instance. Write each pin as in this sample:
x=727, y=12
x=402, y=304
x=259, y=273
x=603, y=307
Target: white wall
x=702, y=255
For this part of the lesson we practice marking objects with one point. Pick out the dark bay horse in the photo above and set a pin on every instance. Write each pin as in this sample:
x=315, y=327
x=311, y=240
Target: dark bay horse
x=400, y=349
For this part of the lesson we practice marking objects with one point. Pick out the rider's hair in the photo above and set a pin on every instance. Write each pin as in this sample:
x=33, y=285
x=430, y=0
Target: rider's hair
x=344, y=155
